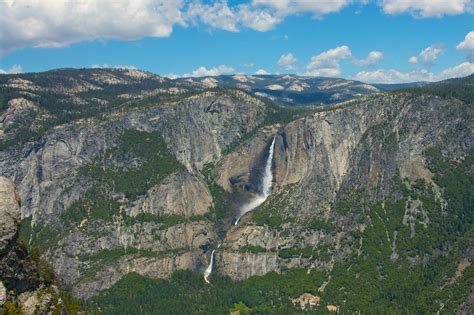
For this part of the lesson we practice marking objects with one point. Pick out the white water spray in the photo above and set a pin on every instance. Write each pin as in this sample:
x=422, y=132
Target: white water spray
x=267, y=181
x=208, y=270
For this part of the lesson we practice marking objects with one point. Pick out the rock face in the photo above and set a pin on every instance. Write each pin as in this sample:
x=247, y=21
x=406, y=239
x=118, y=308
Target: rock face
x=9, y=214
x=179, y=194
x=17, y=270
x=20, y=281
x=168, y=226
x=323, y=158
x=330, y=168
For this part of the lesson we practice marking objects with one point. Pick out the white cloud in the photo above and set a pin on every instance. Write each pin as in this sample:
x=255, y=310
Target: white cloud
x=259, y=15
x=106, y=66
x=395, y=76
x=413, y=60
x=12, y=70
x=171, y=76
x=287, y=61
x=427, y=8
x=204, y=72
x=261, y=71
x=58, y=23
x=257, y=19
x=430, y=54
x=248, y=65
x=371, y=60
x=461, y=70
x=290, y=7
x=219, y=15
x=467, y=45
x=327, y=63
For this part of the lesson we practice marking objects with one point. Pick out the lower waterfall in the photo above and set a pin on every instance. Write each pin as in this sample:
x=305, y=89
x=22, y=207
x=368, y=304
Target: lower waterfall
x=208, y=270
x=265, y=191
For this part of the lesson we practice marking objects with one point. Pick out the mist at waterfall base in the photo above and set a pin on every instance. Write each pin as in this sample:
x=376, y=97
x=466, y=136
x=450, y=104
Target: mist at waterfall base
x=254, y=202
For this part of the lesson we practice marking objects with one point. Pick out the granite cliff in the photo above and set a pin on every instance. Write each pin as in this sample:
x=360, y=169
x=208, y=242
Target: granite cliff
x=122, y=172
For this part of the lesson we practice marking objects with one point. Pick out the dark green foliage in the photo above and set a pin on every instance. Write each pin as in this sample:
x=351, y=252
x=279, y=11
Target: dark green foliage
x=373, y=282
x=94, y=204
x=220, y=197
x=187, y=293
x=101, y=200
x=22, y=135
x=39, y=236
x=252, y=249
x=156, y=162
x=241, y=308
x=319, y=225
x=459, y=88
x=269, y=213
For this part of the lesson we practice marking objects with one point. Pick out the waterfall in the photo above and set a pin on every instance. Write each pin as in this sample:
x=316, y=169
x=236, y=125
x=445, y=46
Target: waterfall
x=266, y=190
x=266, y=186
x=208, y=270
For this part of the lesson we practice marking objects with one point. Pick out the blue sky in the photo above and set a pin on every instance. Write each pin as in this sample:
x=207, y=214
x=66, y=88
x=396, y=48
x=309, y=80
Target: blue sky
x=328, y=38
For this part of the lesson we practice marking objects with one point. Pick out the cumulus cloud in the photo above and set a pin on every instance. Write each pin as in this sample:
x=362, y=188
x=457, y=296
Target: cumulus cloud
x=259, y=15
x=467, y=45
x=106, y=66
x=58, y=23
x=171, y=76
x=326, y=64
x=430, y=54
x=290, y=7
x=12, y=70
x=287, y=61
x=395, y=76
x=220, y=15
x=204, y=72
x=413, y=60
x=372, y=59
x=261, y=71
x=427, y=8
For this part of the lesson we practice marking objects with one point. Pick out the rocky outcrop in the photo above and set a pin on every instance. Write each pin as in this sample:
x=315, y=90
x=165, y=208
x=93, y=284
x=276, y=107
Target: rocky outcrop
x=17, y=271
x=178, y=194
x=20, y=282
x=9, y=214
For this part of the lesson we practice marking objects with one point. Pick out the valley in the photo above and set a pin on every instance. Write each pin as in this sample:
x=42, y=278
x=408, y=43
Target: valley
x=242, y=193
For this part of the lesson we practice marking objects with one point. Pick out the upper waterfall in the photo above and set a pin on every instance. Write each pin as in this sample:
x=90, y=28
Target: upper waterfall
x=266, y=185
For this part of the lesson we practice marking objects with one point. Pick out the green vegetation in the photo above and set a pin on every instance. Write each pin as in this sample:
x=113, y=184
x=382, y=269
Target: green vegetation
x=220, y=197
x=319, y=225
x=241, y=308
x=371, y=282
x=252, y=249
x=155, y=162
x=187, y=293
x=459, y=88
x=33, y=247
x=269, y=213
x=39, y=236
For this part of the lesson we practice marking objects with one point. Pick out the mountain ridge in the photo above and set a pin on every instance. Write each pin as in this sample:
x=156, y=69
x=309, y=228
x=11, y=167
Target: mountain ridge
x=117, y=182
